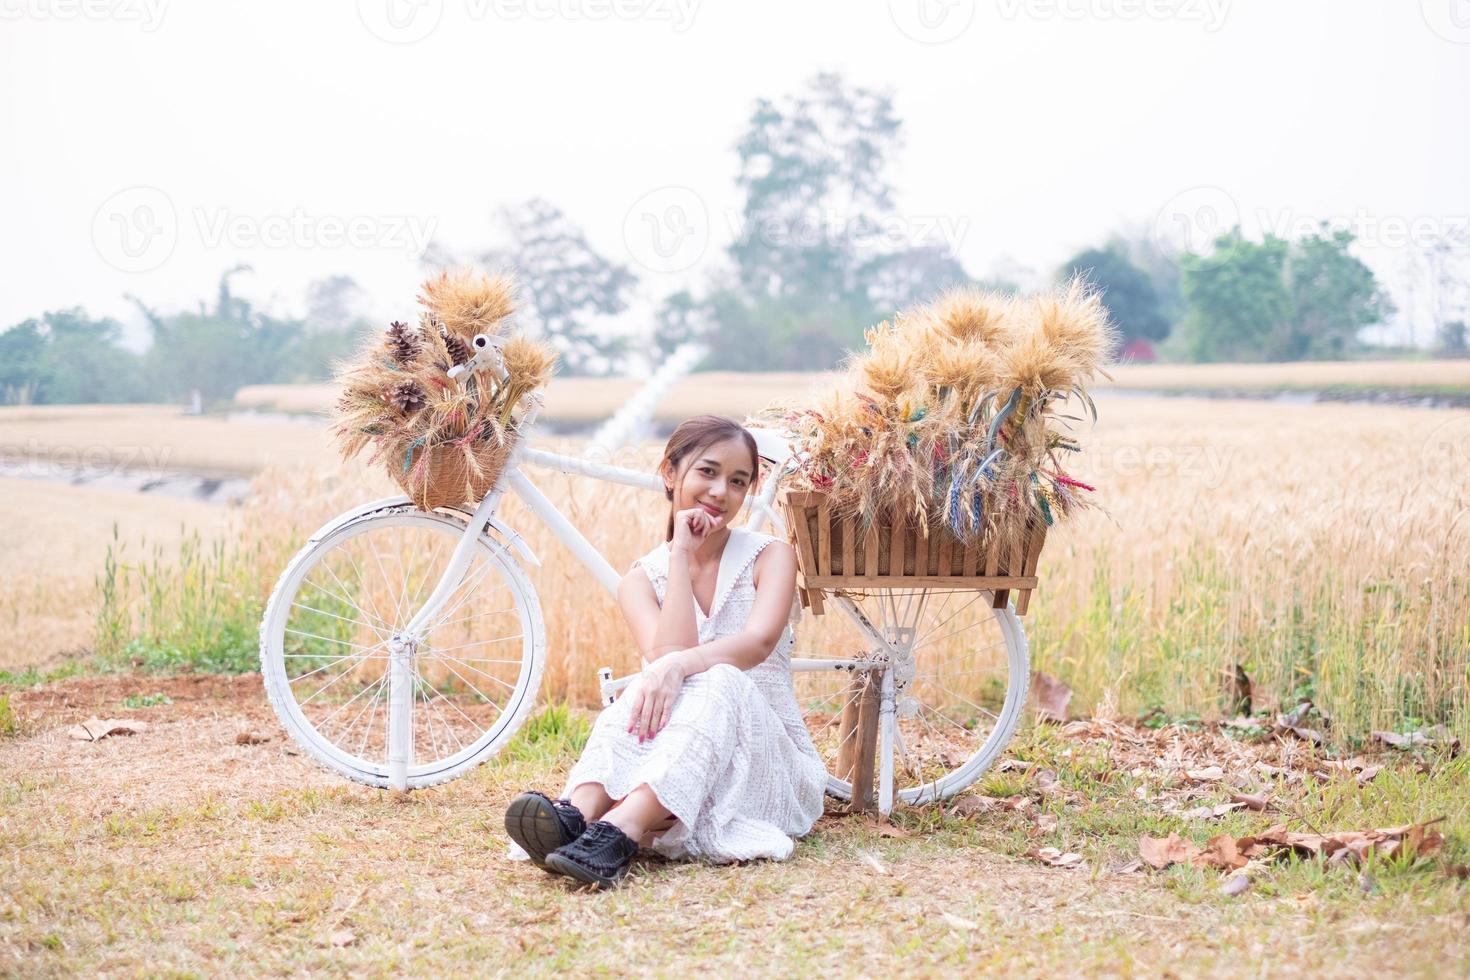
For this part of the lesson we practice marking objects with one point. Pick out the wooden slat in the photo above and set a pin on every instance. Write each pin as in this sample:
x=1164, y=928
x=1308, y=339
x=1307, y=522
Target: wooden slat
x=847, y=728
x=992, y=554
x=972, y=557
x=921, y=553
x=849, y=546
x=824, y=539
x=863, y=800
x=804, y=542
x=895, y=550
x=870, y=551
x=830, y=582
x=946, y=545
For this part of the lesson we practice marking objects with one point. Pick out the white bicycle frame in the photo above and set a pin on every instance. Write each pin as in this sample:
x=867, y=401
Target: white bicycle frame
x=403, y=644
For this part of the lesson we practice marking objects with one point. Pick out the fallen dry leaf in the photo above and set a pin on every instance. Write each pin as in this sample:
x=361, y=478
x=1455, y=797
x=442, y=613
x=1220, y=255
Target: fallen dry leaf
x=94, y=729
x=1162, y=852
x=1052, y=697
x=1258, y=803
x=885, y=829
x=1209, y=774
x=251, y=738
x=873, y=862
x=1055, y=857
x=343, y=937
x=1045, y=822
x=972, y=804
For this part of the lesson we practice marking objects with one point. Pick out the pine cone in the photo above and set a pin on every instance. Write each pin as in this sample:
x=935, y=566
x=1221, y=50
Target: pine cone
x=407, y=397
x=404, y=342
x=459, y=351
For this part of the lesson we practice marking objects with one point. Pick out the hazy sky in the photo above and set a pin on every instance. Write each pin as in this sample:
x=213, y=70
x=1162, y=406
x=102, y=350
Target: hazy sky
x=150, y=144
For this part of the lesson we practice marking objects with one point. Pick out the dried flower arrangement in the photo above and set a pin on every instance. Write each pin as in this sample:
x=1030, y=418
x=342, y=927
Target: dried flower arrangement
x=431, y=399
x=951, y=416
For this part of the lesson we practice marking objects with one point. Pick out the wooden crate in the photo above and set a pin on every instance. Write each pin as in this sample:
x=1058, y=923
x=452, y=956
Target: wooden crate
x=834, y=555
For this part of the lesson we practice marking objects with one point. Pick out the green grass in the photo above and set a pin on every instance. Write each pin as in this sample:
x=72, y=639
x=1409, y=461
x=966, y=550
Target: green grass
x=1368, y=655
x=198, y=611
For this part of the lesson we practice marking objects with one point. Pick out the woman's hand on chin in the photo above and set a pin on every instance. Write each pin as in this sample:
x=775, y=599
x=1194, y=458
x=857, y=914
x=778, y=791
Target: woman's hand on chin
x=653, y=700
x=692, y=527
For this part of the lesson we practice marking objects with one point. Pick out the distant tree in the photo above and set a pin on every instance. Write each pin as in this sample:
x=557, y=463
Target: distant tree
x=21, y=349
x=333, y=302
x=67, y=356
x=566, y=285
x=816, y=259
x=1278, y=301
x=1236, y=297
x=1333, y=296
x=914, y=275
x=1452, y=339
x=812, y=169
x=1128, y=293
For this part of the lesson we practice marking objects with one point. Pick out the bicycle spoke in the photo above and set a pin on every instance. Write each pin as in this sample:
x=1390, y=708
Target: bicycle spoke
x=470, y=584
x=375, y=686
x=434, y=651
x=377, y=626
x=477, y=670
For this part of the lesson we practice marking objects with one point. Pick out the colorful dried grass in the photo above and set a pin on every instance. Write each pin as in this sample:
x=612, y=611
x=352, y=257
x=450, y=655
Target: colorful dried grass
x=953, y=418
x=443, y=440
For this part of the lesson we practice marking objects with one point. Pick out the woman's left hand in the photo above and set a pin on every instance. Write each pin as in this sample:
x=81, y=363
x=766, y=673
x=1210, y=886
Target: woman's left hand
x=653, y=702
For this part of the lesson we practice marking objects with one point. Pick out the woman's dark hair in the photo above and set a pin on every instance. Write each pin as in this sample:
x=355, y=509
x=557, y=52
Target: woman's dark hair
x=691, y=438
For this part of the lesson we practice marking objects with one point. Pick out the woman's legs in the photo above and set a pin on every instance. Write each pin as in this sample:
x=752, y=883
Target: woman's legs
x=591, y=799
x=638, y=813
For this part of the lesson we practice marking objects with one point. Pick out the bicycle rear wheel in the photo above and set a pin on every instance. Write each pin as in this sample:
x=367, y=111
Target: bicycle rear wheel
x=960, y=673
x=326, y=632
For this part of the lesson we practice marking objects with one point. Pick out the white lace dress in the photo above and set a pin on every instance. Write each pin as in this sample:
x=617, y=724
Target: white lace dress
x=735, y=764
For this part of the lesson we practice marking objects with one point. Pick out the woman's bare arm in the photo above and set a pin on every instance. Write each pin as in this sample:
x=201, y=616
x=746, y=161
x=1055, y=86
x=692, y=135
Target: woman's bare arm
x=658, y=630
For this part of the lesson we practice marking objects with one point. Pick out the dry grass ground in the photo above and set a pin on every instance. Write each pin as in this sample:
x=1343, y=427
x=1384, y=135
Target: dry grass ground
x=179, y=851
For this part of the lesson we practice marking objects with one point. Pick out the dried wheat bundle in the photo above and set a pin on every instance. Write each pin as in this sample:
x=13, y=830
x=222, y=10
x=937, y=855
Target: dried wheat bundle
x=443, y=439
x=951, y=415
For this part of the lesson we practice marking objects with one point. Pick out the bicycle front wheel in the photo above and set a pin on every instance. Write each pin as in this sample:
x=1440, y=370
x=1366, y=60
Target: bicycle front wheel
x=326, y=633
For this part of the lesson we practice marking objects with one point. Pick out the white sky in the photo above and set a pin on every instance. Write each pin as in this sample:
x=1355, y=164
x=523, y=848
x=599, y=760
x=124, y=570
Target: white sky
x=1040, y=127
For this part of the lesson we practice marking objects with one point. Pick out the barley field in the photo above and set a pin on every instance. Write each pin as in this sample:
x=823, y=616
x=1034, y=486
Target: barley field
x=1323, y=549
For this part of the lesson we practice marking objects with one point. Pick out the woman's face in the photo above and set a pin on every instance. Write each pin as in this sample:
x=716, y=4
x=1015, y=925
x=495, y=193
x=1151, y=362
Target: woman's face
x=716, y=478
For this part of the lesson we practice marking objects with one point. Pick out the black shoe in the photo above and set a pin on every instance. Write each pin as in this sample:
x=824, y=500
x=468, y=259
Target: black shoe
x=540, y=824
x=599, y=857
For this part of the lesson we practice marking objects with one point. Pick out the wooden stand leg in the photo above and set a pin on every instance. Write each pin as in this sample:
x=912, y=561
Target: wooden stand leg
x=865, y=749
x=847, y=728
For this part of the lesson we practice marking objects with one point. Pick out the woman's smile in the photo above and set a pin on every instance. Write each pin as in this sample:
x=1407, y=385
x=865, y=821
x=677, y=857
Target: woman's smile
x=711, y=509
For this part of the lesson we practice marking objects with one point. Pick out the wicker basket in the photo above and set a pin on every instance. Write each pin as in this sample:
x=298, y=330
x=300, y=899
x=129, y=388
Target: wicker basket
x=834, y=555
x=447, y=478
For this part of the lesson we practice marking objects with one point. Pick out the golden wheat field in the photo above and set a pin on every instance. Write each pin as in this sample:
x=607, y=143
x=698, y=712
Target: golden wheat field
x=1323, y=548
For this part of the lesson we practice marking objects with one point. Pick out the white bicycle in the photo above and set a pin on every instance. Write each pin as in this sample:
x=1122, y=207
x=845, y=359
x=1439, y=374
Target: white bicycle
x=402, y=647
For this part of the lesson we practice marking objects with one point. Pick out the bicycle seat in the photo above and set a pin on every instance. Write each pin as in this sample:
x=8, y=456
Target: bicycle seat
x=771, y=445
